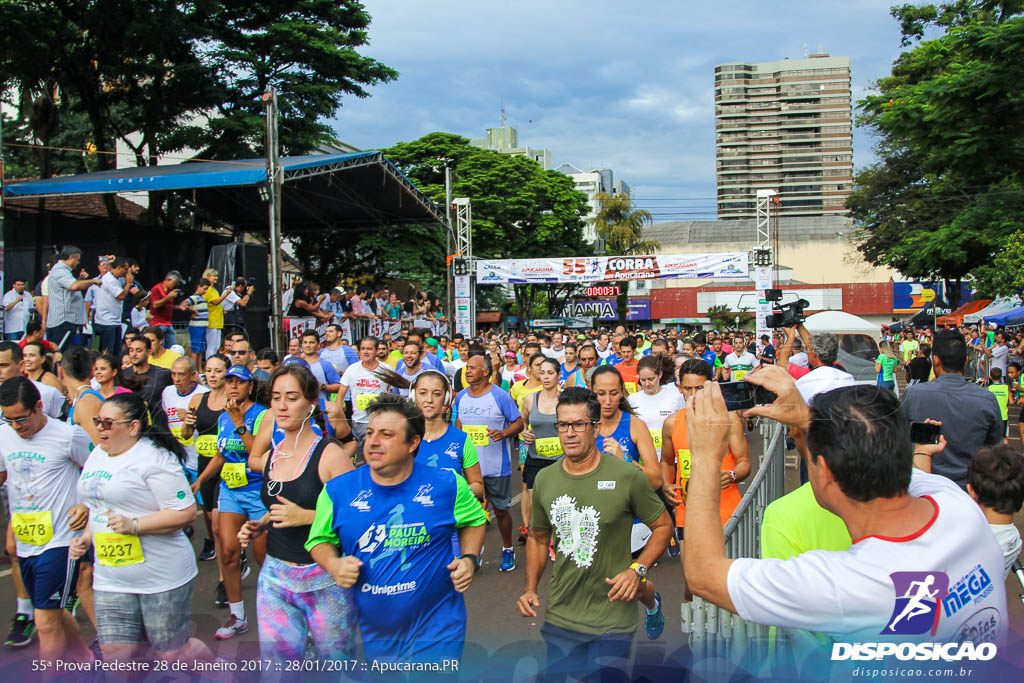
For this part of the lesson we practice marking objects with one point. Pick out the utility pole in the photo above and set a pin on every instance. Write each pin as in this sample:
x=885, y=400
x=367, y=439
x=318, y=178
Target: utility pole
x=764, y=257
x=449, y=281
x=275, y=182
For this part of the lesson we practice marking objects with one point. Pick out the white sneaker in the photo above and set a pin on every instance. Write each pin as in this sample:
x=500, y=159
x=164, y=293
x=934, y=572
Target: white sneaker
x=231, y=628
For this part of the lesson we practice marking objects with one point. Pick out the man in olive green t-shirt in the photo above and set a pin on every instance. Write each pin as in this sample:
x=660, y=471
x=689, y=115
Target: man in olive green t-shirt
x=589, y=502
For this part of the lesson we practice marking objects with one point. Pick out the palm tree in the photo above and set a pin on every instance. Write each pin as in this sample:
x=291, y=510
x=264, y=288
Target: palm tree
x=621, y=227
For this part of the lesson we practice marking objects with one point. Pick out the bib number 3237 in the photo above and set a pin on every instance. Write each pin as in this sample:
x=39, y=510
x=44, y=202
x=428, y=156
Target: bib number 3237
x=117, y=550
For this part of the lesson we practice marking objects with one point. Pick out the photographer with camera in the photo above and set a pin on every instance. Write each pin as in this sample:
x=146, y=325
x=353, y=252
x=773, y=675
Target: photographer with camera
x=162, y=305
x=235, y=303
x=860, y=455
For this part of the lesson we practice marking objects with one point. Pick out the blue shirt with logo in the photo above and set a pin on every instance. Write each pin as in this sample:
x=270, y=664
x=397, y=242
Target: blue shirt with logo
x=408, y=607
x=232, y=447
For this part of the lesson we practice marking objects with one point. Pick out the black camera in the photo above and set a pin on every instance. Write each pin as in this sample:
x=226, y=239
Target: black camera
x=251, y=282
x=786, y=315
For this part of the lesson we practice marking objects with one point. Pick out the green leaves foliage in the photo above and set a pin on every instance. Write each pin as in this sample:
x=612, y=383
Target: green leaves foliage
x=946, y=192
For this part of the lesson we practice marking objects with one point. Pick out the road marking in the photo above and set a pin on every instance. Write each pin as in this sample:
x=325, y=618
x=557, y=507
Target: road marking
x=6, y=572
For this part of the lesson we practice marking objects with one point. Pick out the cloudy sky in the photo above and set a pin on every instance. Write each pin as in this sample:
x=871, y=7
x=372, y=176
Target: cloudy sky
x=624, y=85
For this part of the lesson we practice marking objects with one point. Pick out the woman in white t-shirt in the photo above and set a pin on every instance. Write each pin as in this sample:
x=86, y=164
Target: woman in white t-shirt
x=658, y=397
x=139, y=501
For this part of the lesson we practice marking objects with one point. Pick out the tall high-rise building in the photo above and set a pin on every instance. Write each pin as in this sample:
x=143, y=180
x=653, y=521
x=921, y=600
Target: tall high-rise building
x=787, y=126
x=506, y=140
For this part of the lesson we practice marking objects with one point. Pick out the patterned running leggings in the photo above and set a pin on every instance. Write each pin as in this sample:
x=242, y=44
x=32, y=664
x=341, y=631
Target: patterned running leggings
x=296, y=601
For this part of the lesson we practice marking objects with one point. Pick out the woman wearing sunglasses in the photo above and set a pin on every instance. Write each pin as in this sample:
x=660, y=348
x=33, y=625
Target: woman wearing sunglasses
x=238, y=498
x=139, y=502
x=295, y=598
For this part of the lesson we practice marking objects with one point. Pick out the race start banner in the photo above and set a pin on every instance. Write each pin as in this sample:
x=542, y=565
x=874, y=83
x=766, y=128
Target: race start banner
x=613, y=268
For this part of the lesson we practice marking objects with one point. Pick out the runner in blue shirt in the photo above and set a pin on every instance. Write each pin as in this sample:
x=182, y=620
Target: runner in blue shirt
x=443, y=445
x=238, y=499
x=392, y=522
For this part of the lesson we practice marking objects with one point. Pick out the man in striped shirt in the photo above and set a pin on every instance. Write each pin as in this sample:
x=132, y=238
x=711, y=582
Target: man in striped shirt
x=66, y=306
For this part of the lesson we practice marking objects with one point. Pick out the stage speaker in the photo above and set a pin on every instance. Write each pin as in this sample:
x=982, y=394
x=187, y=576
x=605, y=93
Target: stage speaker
x=239, y=259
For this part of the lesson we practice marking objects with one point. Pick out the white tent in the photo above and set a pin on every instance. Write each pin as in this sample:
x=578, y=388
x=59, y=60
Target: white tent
x=1000, y=305
x=840, y=322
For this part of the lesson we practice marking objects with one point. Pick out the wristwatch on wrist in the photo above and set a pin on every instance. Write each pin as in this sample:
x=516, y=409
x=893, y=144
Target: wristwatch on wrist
x=241, y=429
x=472, y=560
x=640, y=570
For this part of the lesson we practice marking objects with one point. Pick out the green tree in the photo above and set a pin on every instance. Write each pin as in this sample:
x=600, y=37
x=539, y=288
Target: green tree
x=621, y=228
x=168, y=76
x=519, y=209
x=946, y=192
x=723, y=318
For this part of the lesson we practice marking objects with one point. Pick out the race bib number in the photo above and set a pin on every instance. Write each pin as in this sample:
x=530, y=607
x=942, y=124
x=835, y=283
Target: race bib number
x=117, y=550
x=34, y=528
x=176, y=431
x=477, y=434
x=630, y=387
x=737, y=375
x=684, y=462
x=206, y=445
x=549, y=447
x=363, y=401
x=656, y=437
x=233, y=474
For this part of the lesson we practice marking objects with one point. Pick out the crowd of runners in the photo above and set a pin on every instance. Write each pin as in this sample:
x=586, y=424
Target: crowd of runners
x=358, y=478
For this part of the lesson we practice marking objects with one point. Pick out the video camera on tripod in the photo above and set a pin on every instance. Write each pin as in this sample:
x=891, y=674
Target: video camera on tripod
x=784, y=315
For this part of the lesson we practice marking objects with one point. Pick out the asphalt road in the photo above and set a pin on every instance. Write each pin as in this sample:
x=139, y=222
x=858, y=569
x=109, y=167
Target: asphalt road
x=501, y=645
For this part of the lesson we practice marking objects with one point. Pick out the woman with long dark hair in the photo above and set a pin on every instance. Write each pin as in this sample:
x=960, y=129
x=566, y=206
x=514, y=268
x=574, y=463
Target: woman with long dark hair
x=139, y=502
x=108, y=378
x=657, y=398
x=296, y=598
x=38, y=367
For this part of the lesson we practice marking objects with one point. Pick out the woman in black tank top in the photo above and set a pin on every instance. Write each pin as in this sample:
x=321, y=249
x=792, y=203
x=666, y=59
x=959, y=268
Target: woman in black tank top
x=201, y=419
x=292, y=588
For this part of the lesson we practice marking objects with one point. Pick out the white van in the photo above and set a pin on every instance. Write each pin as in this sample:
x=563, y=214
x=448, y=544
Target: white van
x=858, y=342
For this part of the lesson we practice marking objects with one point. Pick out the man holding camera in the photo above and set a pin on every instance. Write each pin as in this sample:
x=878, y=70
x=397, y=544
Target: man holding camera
x=969, y=414
x=912, y=529
x=234, y=304
x=161, y=305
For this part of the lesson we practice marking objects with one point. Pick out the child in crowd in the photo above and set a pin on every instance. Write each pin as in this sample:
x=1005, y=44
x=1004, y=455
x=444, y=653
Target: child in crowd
x=1002, y=393
x=995, y=480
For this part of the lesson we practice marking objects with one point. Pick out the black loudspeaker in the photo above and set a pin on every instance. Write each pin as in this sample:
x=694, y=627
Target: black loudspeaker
x=239, y=259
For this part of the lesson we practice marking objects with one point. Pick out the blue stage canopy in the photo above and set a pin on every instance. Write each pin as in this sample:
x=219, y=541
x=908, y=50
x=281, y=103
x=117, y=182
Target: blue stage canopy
x=320, y=191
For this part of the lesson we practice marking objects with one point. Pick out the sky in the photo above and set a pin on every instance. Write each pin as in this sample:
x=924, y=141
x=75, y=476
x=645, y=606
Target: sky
x=622, y=85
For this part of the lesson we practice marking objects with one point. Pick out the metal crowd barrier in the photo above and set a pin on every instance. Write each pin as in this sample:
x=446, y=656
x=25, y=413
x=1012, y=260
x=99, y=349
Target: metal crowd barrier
x=978, y=365
x=715, y=632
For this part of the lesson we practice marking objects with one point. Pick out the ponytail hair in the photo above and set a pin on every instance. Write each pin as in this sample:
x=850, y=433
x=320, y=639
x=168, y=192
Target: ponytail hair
x=134, y=408
x=660, y=364
x=309, y=386
x=624, y=397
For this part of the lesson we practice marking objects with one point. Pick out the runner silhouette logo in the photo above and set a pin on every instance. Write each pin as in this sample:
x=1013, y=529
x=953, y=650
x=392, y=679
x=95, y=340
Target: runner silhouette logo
x=918, y=596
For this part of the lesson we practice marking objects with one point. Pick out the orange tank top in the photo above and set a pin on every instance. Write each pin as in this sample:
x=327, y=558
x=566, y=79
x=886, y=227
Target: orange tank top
x=629, y=377
x=730, y=494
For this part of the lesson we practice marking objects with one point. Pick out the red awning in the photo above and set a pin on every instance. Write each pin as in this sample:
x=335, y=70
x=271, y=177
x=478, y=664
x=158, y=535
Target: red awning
x=957, y=316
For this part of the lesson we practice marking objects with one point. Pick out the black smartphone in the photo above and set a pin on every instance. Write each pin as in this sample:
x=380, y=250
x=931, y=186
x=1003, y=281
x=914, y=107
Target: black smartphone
x=743, y=395
x=922, y=432
x=738, y=395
